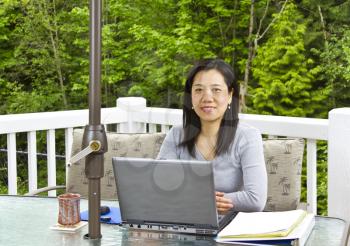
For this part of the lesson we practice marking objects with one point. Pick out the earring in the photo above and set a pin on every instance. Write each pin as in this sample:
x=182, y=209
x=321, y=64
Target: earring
x=192, y=107
x=229, y=106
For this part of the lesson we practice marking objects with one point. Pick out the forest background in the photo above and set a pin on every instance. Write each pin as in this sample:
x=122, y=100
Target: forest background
x=291, y=58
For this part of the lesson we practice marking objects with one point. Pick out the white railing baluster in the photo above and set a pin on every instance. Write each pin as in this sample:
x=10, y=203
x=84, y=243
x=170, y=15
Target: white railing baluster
x=51, y=160
x=164, y=128
x=152, y=128
x=68, y=140
x=32, y=161
x=271, y=137
x=12, y=164
x=311, y=176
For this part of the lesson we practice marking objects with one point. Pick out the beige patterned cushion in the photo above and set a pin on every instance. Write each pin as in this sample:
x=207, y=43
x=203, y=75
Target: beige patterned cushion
x=128, y=145
x=283, y=158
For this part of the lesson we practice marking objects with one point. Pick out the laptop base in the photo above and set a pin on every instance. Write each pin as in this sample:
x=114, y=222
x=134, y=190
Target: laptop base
x=172, y=229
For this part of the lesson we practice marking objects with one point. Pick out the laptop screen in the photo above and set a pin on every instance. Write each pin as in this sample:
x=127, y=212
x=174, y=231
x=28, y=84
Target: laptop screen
x=165, y=191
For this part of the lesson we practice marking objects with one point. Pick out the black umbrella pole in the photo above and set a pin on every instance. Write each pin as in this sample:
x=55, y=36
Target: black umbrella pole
x=94, y=214
x=95, y=131
x=95, y=63
x=94, y=171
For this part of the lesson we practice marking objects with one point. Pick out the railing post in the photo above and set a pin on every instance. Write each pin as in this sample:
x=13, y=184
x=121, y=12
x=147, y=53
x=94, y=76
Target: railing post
x=311, y=176
x=68, y=140
x=12, y=164
x=339, y=163
x=51, y=160
x=32, y=161
x=131, y=105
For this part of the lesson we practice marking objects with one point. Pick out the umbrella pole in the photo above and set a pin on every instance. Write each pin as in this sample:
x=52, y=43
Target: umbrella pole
x=94, y=170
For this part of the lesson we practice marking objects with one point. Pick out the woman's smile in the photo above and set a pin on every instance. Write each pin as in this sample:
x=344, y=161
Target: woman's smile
x=207, y=109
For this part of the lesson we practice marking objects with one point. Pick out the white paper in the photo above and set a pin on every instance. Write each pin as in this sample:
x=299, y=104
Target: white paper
x=261, y=222
x=301, y=233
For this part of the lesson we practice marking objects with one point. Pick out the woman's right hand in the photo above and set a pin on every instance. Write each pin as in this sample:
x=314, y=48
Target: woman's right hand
x=223, y=204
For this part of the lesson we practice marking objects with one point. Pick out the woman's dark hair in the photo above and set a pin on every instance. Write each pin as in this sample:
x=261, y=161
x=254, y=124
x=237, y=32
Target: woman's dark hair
x=191, y=121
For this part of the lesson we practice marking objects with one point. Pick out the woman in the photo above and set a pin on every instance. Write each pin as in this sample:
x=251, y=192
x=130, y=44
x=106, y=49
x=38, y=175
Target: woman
x=211, y=132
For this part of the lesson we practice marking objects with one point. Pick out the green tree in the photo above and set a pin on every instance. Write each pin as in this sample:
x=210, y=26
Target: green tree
x=38, y=54
x=168, y=43
x=328, y=22
x=8, y=17
x=284, y=74
x=336, y=67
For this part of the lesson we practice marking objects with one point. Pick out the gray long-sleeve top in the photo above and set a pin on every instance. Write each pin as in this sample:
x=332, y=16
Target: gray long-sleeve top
x=240, y=173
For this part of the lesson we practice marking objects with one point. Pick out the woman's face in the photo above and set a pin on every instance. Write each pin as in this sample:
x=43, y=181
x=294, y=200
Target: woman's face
x=210, y=95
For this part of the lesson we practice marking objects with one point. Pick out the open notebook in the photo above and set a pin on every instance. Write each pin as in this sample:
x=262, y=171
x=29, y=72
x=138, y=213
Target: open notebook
x=286, y=227
x=168, y=195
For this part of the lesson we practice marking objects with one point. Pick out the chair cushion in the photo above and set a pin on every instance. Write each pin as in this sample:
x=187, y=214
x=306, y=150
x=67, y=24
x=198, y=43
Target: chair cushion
x=283, y=159
x=125, y=145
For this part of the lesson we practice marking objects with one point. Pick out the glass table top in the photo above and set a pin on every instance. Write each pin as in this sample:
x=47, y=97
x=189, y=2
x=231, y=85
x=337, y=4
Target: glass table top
x=27, y=221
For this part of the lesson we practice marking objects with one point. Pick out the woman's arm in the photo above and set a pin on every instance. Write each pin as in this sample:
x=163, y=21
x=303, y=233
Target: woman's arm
x=254, y=176
x=169, y=147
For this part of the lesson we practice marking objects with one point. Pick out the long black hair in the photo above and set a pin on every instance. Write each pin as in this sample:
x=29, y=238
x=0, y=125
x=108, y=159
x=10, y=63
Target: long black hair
x=229, y=122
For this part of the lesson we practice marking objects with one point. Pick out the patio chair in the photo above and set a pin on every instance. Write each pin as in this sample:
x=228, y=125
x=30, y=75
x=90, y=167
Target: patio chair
x=283, y=158
x=144, y=145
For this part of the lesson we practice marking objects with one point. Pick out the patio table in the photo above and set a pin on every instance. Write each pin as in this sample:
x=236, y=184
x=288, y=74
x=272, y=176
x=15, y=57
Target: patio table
x=26, y=221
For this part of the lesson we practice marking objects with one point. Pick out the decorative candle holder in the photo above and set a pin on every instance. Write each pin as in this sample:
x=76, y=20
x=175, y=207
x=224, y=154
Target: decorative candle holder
x=68, y=209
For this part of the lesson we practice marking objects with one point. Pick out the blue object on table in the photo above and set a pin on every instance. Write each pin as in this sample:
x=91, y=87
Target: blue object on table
x=114, y=214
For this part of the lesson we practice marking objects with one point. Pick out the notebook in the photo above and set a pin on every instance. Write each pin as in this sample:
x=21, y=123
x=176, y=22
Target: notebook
x=298, y=236
x=168, y=195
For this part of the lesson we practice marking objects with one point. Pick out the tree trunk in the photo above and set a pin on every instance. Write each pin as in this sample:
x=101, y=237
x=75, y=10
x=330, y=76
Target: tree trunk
x=257, y=36
x=252, y=47
x=58, y=69
x=234, y=36
x=54, y=44
x=327, y=51
x=169, y=97
x=244, y=85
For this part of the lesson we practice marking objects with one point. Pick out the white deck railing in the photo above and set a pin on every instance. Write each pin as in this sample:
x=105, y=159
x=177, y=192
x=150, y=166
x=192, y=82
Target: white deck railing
x=132, y=115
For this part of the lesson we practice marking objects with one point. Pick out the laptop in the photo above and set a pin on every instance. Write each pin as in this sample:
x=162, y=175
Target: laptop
x=168, y=195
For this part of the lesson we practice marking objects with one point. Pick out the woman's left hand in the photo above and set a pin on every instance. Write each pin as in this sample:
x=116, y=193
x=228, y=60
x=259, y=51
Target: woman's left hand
x=223, y=204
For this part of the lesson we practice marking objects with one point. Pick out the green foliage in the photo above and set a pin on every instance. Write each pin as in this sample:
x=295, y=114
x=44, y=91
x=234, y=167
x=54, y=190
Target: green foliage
x=327, y=37
x=44, y=51
x=40, y=100
x=39, y=57
x=336, y=67
x=285, y=75
x=167, y=44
